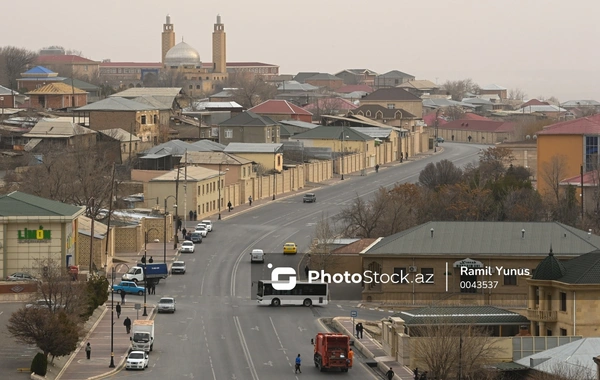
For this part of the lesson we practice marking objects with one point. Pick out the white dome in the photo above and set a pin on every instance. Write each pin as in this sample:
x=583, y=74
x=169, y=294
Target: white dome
x=182, y=54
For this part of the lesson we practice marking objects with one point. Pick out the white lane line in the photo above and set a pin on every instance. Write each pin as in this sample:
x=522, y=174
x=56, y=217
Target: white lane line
x=212, y=368
x=238, y=327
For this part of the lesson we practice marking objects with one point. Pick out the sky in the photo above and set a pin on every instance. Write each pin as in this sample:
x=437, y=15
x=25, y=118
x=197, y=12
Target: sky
x=546, y=48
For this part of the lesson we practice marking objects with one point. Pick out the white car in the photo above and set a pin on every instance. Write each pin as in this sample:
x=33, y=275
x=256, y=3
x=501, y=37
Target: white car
x=187, y=247
x=178, y=267
x=166, y=305
x=209, y=225
x=201, y=228
x=137, y=360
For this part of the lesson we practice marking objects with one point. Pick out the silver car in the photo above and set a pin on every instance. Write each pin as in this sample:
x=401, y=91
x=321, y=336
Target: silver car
x=166, y=305
x=178, y=267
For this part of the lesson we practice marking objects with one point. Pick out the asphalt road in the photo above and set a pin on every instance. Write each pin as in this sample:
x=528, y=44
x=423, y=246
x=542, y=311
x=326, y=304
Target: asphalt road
x=13, y=355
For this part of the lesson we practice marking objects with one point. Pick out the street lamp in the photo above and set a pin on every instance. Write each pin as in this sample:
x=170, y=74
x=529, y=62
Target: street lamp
x=219, y=186
x=343, y=138
x=274, y=174
x=112, y=321
x=145, y=261
x=165, y=228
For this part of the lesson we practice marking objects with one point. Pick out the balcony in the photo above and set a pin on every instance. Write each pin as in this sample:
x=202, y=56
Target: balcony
x=542, y=315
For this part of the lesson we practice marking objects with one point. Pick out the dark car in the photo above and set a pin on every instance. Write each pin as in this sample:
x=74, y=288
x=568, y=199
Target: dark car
x=440, y=139
x=309, y=198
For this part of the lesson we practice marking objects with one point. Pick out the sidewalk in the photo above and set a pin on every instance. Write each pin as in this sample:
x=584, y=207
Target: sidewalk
x=370, y=348
x=79, y=368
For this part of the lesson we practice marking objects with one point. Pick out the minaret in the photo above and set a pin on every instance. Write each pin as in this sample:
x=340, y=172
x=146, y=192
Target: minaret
x=168, y=38
x=219, y=48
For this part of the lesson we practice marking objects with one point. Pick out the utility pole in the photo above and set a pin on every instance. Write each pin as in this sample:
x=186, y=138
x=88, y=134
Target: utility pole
x=110, y=204
x=91, y=216
x=176, y=219
x=185, y=192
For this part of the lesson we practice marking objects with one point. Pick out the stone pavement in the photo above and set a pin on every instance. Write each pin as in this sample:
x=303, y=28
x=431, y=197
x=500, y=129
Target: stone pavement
x=371, y=349
x=79, y=368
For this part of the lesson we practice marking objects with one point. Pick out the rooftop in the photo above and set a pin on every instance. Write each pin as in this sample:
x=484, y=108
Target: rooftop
x=253, y=148
x=354, y=88
x=52, y=128
x=116, y=104
x=64, y=58
x=56, y=89
x=214, y=158
x=419, y=85
x=23, y=204
x=333, y=133
x=461, y=315
x=194, y=173
x=391, y=94
x=581, y=126
x=278, y=107
x=248, y=119
x=584, y=269
x=395, y=74
x=492, y=87
x=175, y=148
x=119, y=134
x=152, y=91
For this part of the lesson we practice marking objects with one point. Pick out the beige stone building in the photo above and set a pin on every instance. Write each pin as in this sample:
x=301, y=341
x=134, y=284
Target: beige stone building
x=395, y=98
x=102, y=253
x=248, y=127
x=268, y=157
x=525, y=154
x=234, y=168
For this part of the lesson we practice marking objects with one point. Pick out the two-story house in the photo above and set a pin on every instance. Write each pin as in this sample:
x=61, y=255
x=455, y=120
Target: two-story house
x=267, y=156
x=326, y=80
x=395, y=98
x=249, y=127
x=234, y=168
x=358, y=76
x=494, y=89
x=392, y=79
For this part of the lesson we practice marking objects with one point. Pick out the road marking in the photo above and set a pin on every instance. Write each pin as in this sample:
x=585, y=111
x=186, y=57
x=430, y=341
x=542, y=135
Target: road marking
x=301, y=329
x=238, y=327
x=254, y=328
x=278, y=339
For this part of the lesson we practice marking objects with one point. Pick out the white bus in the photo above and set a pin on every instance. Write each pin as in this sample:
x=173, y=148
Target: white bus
x=304, y=293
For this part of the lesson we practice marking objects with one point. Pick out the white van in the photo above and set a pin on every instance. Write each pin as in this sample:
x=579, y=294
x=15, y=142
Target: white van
x=257, y=255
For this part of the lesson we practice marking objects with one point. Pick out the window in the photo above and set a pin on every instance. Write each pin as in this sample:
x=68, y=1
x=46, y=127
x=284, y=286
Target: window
x=563, y=332
x=591, y=152
x=191, y=86
x=155, y=119
x=85, y=68
x=143, y=119
x=563, y=301
x=268, y=133
x=278, y=160
x=391, y=106
x=510, y=280
x=427, y=275
x=244, y=171
x=197, y=87
x=228, y=133
x=400, y=273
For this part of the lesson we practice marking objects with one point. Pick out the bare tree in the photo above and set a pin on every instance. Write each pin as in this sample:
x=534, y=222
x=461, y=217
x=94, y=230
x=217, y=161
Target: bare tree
x=439, y=174
x=362, y=218
x=517, y=94
x=170, y=78
x=326, y=232
x=523, y=205
x=494, y=161
x=14, y=61
x=454, y=113
x=250, y=89
x=457, y=89
x=565, y=371
x=553, y=172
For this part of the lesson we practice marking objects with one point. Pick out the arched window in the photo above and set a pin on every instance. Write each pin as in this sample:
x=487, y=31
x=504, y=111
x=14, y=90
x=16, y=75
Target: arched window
x=379, y=115
x=398, y=115
x=368, y=113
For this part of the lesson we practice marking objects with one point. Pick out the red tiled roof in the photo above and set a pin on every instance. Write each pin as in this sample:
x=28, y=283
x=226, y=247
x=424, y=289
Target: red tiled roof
x=581, y=126
x=354, y=87
x=62, y=59
x=473, y=116
x=589, y=179
x=429, y=119
x=131, y=64
x=278, y=107
x=479, y=125
x=534, y=102
x=331, y=103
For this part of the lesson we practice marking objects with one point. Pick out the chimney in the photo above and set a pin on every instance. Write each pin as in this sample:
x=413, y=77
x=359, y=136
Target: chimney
x=523, y=234
x=432, y=233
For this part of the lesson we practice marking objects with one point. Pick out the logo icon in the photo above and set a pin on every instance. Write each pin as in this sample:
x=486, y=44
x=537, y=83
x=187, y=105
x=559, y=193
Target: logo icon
x=282, y=284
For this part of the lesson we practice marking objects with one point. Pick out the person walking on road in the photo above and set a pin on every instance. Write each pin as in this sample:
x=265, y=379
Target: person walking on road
x=359, y=330
x=184, y=232
x=127, y=324
x=143, y=259
x=195, y=215
x=390, y=374
x=153, y=288
x=306, y=270
x=123, y=298
x=377, y=168
x=118, y=310
x=298, y=363
x=88, y=351
x=350, y=358
x=416, y=373
x=191, y=215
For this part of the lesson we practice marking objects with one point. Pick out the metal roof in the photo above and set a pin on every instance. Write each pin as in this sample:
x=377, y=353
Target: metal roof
x=253, y=148
x=51, y=128
x=120, y=134
x=249, y=119
x=461, y=315
x=56, y=88
x=214, y=105
x=145, y=91
x=584, y=269
x=194, y=173
x=209, y=144
x=296, y=86
x=215, y=158
x=22, y=204
x=375, y=132
x=175, y=148
x=573, y=356
x=299, y=124
x=334, y=133
x=492, y=87
x=435, y=103
x=579, y=103
x=160, y=103
x=488, y=238
x=540, y=108
x=116, y=104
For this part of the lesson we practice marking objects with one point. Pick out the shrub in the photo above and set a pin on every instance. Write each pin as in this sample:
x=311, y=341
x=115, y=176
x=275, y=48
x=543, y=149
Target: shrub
x=39, y=365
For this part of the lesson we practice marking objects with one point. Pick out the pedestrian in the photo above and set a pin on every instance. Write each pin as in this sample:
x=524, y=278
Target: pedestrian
x=229, y=206
x=118, y=310
x=350, y=357
x=298, y=363
x=359, y=330
x=470, y=138
x=184, y=232
x=306, y=270
x=127, y=324
x=123, y=298
x=424, y=376
x=416, y=373
x=88, y=351
x=195, y=215
x=191, y=215
x=178, y=224
x=390, y=374
x=401, y=158
x=153, y=287
x=151, y=260
x=452, y=137
x=144, y=259
x=250, y=200
x=377, y=168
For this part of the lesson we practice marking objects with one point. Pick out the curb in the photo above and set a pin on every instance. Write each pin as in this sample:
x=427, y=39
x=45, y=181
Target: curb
x=87, y=336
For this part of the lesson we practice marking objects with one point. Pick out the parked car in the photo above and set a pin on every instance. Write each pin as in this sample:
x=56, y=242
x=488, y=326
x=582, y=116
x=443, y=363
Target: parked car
x=187, y=247
x=440, y=139
x=129, y=287
x=137, y=360
x=201, y=228
x=309, y=198
x=196, y=237
x=20, y=276
x=290, y=248
x=178, y=267
x=209, y=225
x=166, y=305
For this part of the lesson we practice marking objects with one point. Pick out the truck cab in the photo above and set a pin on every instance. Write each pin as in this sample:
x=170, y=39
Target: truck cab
x=332, y=351
x=142, y=335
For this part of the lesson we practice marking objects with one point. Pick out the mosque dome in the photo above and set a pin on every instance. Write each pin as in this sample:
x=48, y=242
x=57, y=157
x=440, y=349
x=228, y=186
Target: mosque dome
x=182, y=54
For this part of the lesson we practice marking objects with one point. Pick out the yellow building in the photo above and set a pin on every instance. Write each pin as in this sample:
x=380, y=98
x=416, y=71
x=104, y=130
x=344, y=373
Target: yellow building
x=267, y=156
x=564, y=296
x=202, y=195
x=395, y=98
x=574, y=143
x=181, y=62
x=236, y=168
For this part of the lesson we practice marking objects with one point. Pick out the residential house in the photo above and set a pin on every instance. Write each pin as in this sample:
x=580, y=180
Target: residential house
x=168, y=155
x=53, y=134
x=93, y=91
x=289, y=128
x=303, y=75
x=37, y=77
x=202, y=195
x=330, y=106
x=543, y=111
x=481, y=105
x=570, y=144
x=248, y=127
x=8, y=98
x=278, y=110
x=36, y=229
x=535, y=102
x=115, y=112
x=358, y=76
x=230, y=106
x=71, y=65
x=129, y=144
x=226, y=95
x=392, y=78
x=233, y=168
x=352, y=88
x=164, y=99
x=57, y=96
x=442, y=258
x=395, y=117
x=268, y=156
x=494, y=89
x=298, y=93
x=328, y=81
x=395, y=98
x=475, y=131
x=563, y=296
x=265, y=70
x=436, y=103
x=420, y=87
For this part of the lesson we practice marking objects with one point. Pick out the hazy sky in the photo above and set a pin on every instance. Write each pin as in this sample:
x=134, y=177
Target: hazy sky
x=544, y=47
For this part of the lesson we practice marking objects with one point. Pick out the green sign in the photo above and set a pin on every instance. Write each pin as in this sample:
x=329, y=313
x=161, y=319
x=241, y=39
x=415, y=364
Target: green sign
x=34, y=236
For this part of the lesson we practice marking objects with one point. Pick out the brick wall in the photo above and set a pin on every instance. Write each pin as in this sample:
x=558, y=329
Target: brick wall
x=128, y=239
x=57, y=101
x=98, y=256
x=17, y=290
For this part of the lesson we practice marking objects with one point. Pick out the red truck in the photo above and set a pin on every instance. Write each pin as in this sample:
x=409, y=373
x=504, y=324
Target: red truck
x=332, y=351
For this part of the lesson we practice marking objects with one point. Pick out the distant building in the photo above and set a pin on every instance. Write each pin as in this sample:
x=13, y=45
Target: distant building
x=57, y=96
x=358, y=76
x=248, y=127
x=392, y=79
x=494, y=89
x=281, y=110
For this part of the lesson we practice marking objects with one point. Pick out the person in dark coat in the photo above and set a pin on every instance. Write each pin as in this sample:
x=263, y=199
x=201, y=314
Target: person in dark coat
x=377, y=168
x=359, y=330
x=390, y=374
x=416, y=373
x=195, y=215
x=127, y=324
x=118, y=308
x=88, y=351
x=191, y=215
x=178, y=224
x=306, y=269
x=144, y=259
x=184, y=232
x=123, y=298
x=151, y=260
x=229, y=206
x=250, y=200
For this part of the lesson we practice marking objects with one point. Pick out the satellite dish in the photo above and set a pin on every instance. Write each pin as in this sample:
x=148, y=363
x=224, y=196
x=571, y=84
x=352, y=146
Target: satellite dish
x=527, y=137
x=535, y=137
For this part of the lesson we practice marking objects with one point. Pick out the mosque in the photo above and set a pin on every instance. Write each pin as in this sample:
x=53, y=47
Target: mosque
x=182, y=62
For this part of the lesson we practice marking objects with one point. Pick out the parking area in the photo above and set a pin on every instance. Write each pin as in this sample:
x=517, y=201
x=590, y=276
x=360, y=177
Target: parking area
x=13, y=355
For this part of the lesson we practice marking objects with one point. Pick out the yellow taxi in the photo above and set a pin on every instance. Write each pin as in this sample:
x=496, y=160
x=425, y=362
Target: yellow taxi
x=290, y=248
